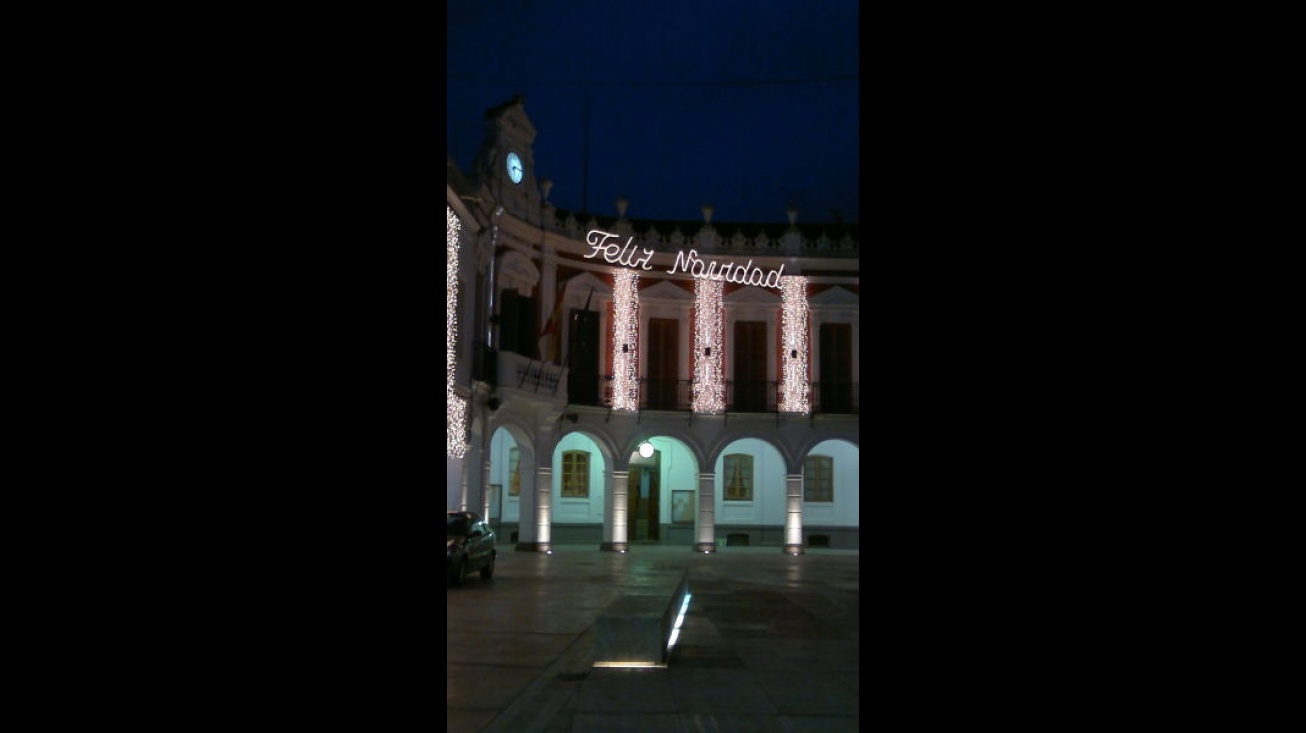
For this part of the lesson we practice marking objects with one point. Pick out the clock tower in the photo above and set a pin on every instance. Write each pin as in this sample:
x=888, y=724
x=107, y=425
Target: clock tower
x=505, y=163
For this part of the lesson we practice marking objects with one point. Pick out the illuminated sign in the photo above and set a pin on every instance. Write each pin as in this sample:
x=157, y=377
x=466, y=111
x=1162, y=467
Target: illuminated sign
x=624, y=254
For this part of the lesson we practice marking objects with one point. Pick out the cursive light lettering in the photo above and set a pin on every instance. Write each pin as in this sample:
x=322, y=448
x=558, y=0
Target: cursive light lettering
x=688, y=262
x=617, y=254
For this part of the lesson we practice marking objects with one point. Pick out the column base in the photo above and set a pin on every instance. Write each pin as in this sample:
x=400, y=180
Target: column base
x=793, y=549
x=534, y=547
x=705, y=547
x=614, y=547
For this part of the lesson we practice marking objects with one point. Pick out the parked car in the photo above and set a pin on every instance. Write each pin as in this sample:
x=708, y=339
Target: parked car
x=469, y=543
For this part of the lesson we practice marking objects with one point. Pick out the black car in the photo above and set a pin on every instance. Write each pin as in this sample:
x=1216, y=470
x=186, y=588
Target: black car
x=469, y=542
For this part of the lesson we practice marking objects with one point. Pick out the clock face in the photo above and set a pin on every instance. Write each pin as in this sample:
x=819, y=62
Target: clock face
x=514, y=168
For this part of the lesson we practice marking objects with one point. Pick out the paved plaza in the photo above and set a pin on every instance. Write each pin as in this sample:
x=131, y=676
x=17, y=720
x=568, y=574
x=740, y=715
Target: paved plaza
x=770, y=643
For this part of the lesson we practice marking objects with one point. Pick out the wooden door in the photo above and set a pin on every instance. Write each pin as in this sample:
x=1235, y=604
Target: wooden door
x=750, y=367
x=662, y=363
x=583, y=358
x=644, y=502
x=836, y=376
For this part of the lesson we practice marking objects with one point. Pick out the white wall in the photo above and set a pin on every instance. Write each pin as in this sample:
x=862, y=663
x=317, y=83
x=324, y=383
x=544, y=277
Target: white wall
x=499, y=446
x=571, y=510
x=768, y=505
x=844, y=510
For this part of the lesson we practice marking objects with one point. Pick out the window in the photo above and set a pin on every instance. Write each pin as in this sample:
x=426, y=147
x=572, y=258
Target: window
x=818, y=478
x=519, y=331
x=514, y=474
x=739, y=477
x=576, y=474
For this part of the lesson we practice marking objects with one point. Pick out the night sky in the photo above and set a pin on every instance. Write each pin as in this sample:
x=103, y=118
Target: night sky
x=747, y=105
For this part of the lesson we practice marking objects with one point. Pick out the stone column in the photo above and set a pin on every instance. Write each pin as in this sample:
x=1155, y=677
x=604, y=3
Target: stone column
x=453, y=483
x=462, y=485
x=528, y=509
x=485, y=492
x=794, y=514
x=706, y=529
x=605, y=542
x=548, y=298
x=620, y=512
x=543, y=507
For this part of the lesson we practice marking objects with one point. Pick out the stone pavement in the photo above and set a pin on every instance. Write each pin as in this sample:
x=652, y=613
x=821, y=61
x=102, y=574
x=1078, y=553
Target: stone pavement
x=770, y=643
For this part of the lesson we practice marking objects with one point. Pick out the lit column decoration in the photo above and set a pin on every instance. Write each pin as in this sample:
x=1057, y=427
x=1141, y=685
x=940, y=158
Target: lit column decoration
x=793, y=514
x=705, y=528
x=543, y=508
x=457, y=427
x=625, y=340
x=794, y=390
x=709, y=390
x=620, y=510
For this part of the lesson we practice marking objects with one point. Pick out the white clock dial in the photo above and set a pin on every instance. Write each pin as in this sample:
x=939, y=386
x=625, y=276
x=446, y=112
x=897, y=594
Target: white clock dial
x=515, y=169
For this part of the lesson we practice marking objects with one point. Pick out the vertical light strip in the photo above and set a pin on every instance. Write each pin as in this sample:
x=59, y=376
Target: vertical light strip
x=709, y=390
x=794, y=389
x=456, y=442
x=625, y=340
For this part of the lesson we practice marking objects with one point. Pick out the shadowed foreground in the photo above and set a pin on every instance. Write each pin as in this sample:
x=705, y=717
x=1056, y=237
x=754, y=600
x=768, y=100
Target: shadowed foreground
x=770, y=643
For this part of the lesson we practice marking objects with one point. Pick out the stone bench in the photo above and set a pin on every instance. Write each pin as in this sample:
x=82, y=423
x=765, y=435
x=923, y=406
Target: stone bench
x=635, y=630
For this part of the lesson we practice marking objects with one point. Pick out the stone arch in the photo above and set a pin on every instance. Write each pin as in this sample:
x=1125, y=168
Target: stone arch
x=520, y=431
x=679, y=435
x=719, y=446
x=814, y=440
x=603, y=441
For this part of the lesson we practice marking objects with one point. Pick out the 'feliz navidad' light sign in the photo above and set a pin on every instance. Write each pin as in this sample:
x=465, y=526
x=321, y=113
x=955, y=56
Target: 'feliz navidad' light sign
x=619, y=254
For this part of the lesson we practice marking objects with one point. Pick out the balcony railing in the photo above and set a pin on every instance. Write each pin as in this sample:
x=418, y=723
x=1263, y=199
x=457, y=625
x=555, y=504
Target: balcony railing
x=752, y=396
x=836, y=398
x=832, y=398
x=666, y=394
x=512, y=370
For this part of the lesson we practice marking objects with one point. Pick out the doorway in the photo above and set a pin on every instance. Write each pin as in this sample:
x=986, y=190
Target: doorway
x=583, y=358
x=750, y=367
x=644, y=490
x=663, y=363
x=836, y=377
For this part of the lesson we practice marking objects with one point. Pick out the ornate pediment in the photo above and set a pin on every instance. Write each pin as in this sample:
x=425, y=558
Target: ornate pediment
x=752, y=295
x=578, y=289
x=516, y=271
x=667, y=291
x=834, y=297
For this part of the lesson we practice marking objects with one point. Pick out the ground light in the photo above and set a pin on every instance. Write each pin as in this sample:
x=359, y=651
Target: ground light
x=680, y=619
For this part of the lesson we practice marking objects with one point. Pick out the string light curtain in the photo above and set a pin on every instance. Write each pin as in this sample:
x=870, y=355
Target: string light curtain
x=625, y=340
x=709, y=389
x=794, y=392
x=456, y=439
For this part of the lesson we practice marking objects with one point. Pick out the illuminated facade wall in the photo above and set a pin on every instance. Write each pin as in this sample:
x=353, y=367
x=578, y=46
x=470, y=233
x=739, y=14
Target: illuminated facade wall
x=709, y=347
x=625, y=341
x=634, y=282
x=456, y=440
x=793, y=351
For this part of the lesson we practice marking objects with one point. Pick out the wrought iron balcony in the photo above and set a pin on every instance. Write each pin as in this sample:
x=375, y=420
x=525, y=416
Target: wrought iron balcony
x=834, y=398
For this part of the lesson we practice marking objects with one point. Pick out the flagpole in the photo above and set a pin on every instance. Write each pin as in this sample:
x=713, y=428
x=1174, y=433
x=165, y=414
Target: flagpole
x=571, y=347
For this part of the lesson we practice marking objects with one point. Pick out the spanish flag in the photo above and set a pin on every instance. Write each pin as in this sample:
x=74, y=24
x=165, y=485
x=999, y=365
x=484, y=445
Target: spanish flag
x=552, y=331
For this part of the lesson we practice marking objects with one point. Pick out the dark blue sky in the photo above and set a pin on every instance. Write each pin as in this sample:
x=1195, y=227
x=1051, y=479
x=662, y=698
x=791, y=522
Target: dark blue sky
x=748, y=105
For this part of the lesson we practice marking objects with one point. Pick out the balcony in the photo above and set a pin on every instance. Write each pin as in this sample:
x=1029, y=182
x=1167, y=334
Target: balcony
x=836, y=398
x=832, y=398
x=510, y=370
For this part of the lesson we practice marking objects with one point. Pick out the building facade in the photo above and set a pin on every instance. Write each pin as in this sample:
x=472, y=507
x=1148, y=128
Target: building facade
x=620, y=383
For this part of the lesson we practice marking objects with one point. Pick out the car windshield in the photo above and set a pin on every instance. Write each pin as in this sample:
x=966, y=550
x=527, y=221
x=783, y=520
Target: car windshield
x=457, y=525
